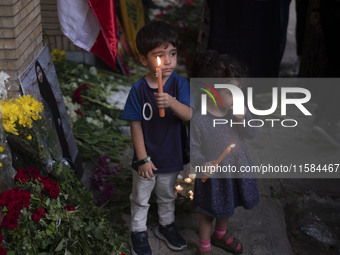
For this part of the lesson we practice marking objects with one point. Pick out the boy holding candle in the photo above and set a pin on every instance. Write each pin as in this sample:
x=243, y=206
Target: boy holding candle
x=159, y=142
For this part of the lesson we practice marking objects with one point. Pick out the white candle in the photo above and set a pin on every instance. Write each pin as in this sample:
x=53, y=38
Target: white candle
x=179, y=188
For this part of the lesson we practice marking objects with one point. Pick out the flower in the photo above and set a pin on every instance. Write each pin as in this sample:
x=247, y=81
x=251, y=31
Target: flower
x=69, y=208
x=58, y=55
x=29, y=137
x=2, y=251
x=1, y=149
x=20, y=112
x=38, y=213
x=11, y=220
x=24, y=175
x=51, y=188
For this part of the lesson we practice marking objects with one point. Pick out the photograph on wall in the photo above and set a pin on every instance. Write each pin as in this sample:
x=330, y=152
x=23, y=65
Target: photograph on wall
x=40, y=81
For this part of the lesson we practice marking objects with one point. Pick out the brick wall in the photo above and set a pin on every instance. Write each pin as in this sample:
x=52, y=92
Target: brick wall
x=20, y=35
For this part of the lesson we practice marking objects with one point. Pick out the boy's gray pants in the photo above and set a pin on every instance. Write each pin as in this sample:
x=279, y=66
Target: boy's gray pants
x=164, y=185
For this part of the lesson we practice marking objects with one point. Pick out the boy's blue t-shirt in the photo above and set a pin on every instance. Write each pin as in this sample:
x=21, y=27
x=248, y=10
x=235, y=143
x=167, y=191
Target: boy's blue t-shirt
x=165, y=138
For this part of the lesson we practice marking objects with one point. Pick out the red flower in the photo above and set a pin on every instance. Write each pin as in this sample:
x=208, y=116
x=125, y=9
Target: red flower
x=51, y=188
x=15, y=199
x=1, y=237
x=21, y=176
x=160, y=14
x=69, y=208
x=34, y=173
x=38, y=213
x=5, y=197
x=11, y=220
x=79, y=112
x=2, y=251
x=190, y=2
x=24, y=175
x=76, y=97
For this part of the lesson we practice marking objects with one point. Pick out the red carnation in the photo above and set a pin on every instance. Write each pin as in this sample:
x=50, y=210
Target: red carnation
x=51, y=188
x=2, y=251
x=38, y=213
x=11, y=220
x=34, y=173
x=69, y=208
x=78, y=112
x=21, y=176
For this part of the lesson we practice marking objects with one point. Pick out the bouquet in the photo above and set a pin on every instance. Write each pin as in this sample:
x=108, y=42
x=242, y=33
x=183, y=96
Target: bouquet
x=39, y=216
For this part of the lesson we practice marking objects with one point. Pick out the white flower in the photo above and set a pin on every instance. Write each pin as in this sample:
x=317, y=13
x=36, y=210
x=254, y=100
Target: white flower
x=93, y=70
x=3, y=80
x=108, y=118
x=71, y=108
x=118, y=98
x=95, y=122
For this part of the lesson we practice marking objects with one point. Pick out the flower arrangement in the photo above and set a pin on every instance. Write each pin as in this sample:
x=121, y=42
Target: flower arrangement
x=20, y=113
x=31, y=139
x=53, y=215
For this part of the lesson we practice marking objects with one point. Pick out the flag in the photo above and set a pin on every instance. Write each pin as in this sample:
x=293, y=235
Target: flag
x=91, y=25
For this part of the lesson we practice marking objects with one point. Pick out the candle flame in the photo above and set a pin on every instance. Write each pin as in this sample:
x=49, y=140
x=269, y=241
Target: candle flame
x=232, y=145
x=158, y=61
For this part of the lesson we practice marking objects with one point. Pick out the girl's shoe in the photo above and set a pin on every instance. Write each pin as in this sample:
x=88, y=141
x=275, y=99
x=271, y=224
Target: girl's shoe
x=204, y=252
x=222, y=243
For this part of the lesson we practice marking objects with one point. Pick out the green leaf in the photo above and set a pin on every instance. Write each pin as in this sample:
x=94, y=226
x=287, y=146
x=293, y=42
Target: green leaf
x=60, y=245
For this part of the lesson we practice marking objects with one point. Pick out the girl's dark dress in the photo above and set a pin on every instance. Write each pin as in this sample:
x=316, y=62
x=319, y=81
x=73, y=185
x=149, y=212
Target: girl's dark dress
x=218, y=197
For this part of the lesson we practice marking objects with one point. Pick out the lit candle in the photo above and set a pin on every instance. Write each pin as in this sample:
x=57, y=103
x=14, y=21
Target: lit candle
x=187, y=180
x=192, y=176
x=160, y=84
x=179, y=188
x=220, y=158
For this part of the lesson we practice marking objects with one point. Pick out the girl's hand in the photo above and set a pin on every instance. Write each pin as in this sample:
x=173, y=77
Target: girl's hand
x=163, y=100
x=212, y=167
x=145, y=170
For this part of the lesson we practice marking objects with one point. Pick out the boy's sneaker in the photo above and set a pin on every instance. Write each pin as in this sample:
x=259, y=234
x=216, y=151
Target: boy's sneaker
x=140, y=244
x=171, y=236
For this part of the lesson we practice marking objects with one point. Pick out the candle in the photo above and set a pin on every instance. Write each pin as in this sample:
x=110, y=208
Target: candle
x=191, y=193
x=187, y=180
x=220, y=158
x=192, y=176
x=160, y=84
x=179, y=188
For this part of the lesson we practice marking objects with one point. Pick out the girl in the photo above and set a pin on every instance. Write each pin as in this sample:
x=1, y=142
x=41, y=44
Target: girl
x=218, y=197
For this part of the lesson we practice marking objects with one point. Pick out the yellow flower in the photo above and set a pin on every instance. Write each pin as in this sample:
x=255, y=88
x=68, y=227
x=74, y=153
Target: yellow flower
x=20, y=112
x=58, y=55
x=0, y=164
x=29, y=137
x=1, y=149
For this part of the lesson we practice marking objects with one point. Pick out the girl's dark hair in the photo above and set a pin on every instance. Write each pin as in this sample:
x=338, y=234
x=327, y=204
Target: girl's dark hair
x=153, y=35
x=212, y=65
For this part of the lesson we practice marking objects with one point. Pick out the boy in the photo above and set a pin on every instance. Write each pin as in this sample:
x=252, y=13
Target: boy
x=158, y=142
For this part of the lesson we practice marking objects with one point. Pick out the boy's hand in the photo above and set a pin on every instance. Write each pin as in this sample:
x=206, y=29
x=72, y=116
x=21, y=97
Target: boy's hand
x=163, y=100
x=145, y=170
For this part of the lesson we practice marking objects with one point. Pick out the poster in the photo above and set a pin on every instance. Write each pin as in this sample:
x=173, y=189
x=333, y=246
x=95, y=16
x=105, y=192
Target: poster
x=40, y=80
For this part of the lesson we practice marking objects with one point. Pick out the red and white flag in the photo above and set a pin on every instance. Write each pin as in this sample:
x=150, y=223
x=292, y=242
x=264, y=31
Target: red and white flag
x=91, y=25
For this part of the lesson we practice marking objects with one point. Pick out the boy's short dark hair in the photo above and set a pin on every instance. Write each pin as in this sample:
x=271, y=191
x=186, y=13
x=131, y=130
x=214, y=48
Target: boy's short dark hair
x=153, y=35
